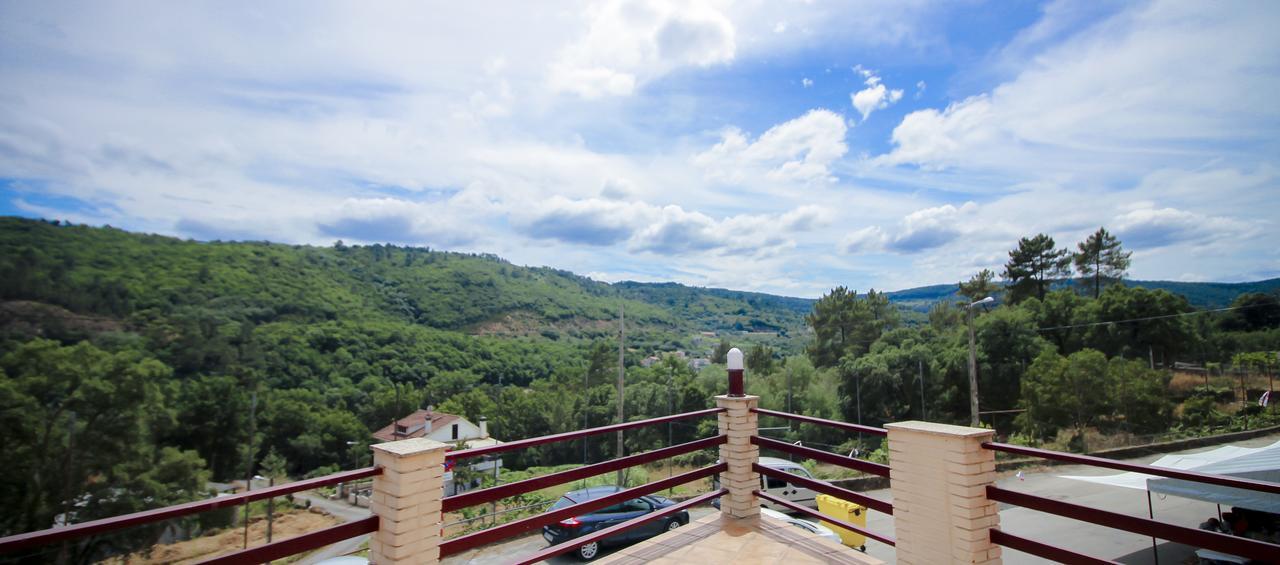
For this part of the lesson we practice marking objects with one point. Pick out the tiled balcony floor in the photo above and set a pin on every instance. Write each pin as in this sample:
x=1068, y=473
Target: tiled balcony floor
x=714, y=539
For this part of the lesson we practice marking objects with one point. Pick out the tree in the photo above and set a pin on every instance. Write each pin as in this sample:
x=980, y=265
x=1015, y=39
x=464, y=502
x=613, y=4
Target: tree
x=1255, y=311
x=980, y=286
x=760, y=359
x=721, y=352
x=1101, y=259
x=844, y=325
x=1033, y=266
x=1146, y=324
x=1064, y=391
x=77, y=423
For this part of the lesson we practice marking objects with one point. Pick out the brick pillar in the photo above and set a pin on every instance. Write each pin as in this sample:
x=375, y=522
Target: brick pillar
x=938, y=476
x=739, y=423
x=406, y=499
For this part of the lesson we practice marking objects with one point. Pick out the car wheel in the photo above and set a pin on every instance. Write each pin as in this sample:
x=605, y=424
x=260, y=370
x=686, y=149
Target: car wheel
x=589, y=551
x=673, y=524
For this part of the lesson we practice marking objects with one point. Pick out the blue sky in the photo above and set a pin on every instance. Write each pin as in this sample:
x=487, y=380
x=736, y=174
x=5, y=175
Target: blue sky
x=785, y=146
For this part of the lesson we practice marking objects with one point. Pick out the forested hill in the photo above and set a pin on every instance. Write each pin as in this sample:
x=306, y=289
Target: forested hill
x=114, y=273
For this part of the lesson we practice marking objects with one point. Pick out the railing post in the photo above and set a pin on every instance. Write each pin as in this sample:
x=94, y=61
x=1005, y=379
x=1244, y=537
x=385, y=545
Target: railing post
x=939, y=475
x=738, y=423
x=406, y=500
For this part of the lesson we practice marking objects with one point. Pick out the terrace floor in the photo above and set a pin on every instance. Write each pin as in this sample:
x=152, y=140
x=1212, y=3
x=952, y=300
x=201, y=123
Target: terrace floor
x=714, y=539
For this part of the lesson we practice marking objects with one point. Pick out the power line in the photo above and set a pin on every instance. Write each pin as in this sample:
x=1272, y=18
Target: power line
x=1148, y=318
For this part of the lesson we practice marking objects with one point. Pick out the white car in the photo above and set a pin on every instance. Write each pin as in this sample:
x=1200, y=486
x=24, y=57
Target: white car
x=811, y=527
x=781, y=488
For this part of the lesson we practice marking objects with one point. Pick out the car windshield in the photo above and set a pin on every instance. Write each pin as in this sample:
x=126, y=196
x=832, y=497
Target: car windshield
x=563, y=502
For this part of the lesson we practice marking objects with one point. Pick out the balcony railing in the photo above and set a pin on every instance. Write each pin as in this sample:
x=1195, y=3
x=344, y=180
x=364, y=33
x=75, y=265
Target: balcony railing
x=942, y=480
x=1216, y=541
x=307, y=542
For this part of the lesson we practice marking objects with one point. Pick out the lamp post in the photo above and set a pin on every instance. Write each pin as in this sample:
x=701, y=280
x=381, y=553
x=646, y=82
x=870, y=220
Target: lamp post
x=736, y=387
x=973, y=363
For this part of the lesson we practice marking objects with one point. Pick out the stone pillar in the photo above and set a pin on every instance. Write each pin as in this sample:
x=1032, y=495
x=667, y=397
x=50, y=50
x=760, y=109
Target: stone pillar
x=938, y=475
x=406, y=499
x=739, y=423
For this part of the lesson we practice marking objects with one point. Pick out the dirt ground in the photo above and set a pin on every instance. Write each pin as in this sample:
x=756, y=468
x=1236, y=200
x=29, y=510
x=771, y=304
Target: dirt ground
x=286, y=525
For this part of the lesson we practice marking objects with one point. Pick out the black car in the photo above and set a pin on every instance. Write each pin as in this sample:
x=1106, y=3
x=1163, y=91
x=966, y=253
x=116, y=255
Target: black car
x=577, y=526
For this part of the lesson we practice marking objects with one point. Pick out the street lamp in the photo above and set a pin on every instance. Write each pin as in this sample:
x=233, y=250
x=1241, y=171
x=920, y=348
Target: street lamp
x=973, y=363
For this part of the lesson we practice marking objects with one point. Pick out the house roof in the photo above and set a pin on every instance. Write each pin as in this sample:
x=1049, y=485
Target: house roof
x=414, y=425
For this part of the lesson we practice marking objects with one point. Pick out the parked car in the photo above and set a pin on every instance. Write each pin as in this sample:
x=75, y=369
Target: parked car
x=780, y=488
x=579, y=526
x=806, y=525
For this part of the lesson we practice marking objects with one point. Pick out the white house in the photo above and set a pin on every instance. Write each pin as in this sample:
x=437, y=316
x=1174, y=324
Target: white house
x=449, y=429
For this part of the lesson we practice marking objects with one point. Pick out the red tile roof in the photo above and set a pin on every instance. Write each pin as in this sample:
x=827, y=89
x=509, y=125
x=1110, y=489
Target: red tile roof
x=415, y=424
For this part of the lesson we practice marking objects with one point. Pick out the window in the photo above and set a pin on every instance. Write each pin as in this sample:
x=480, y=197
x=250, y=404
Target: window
x=455, y=431
x=636, y=505
x=799, y=471
x=772, y=483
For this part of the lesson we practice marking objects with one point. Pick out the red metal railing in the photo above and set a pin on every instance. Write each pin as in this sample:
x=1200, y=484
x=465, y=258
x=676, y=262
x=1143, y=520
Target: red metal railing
x=824, y=422
x=1229, y=544
x=521, y=444
x=470, y=541
x=297, y=544
x=614, y=530
x=74, y=531
x=815, y=514
x=491, y=494
x=825, y=488
x=824, y=456
x=1247, y=484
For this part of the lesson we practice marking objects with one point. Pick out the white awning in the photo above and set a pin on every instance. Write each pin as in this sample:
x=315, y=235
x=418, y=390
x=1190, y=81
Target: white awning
x=1258, y=463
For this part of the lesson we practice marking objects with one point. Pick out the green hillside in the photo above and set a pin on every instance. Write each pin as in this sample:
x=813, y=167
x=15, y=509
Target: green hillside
x=114, y=273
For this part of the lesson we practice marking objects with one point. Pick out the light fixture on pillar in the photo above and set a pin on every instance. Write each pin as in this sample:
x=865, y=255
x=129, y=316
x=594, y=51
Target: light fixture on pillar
x=734, y=359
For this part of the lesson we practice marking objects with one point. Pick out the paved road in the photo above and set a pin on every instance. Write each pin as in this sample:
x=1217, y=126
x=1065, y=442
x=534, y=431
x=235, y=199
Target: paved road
x=342, y=511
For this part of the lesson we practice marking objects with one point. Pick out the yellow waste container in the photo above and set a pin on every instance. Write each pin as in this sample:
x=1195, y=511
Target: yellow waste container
x=855, y=514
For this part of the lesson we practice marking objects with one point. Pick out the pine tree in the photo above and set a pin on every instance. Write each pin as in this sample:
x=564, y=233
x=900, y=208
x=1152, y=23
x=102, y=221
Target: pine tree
x=980, y=286
x=1033, y=266
x=1101, y=259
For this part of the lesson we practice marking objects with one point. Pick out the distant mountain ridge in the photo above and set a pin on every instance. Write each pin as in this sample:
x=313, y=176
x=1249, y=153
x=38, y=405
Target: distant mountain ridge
x=116, y=274
x=1204, y=295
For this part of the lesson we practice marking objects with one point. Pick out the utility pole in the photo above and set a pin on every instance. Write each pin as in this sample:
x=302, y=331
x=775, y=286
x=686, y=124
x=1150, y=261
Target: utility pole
x=857, y=380
x=973, y=363
x=924, y=412
x=789, y=410
x=64, y=552
x=671, y=410
x=248, y=477
x=622, y=348
x=586, y=386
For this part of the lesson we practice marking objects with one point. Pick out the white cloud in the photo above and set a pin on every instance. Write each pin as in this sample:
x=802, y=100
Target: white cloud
x=870, y=239
x=875, y=96
x=806, y=82
x=392, y=220
x=629, y=42
x=920, y=88
x=919, y=231
x=589, y=222
x=1149, y=228
x=797, y=150
x=1123, y=95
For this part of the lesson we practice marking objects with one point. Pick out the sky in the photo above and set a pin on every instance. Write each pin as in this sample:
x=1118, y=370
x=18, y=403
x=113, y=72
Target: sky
x=777, y=146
